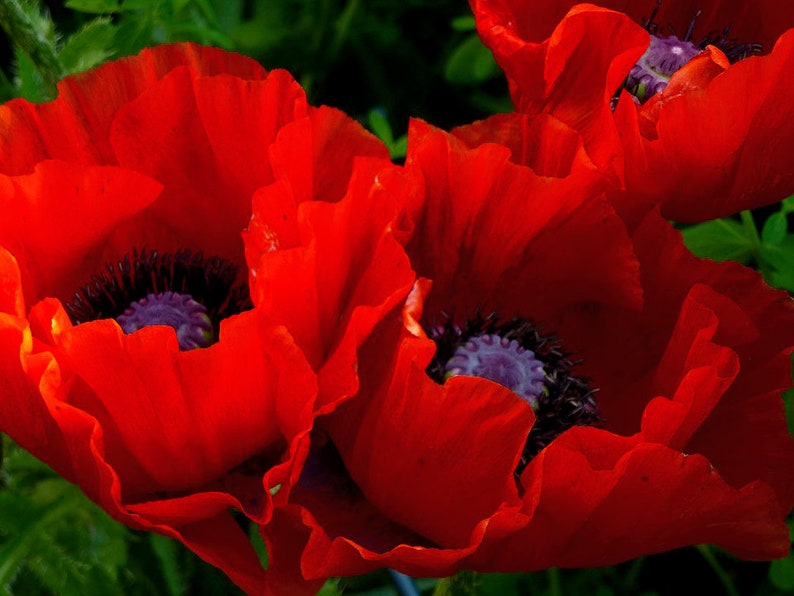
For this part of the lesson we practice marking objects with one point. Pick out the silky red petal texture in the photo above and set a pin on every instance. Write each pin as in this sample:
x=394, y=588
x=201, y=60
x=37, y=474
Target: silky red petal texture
x=760, y=22
x=713, y=143
x=689, y=357
x=470, y=217
x=720, y=148
x=164, y=152
x=330, y=271
x=571, y=72
x=76, y=127
x=545, y=144
x=35, y=206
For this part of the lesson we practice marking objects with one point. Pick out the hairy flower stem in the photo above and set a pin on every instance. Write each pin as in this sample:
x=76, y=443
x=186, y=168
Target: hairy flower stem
x=21, y=28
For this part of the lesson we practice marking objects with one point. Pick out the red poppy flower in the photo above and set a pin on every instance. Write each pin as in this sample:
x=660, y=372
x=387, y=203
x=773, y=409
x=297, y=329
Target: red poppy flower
x=711, y=142
x=125, y=198
x=478, y=440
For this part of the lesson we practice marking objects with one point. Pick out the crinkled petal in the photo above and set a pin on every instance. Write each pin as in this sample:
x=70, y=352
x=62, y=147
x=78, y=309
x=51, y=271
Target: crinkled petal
x=55, y=219
x=633, y=499
x=721, y=149
x=76, y=126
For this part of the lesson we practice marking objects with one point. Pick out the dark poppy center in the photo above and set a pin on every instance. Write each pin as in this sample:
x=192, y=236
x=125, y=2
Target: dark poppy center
x=501, y=360
x=515, y=354
x=666, y=54
x=183, y=290
x=663, y=57
x=187, y=317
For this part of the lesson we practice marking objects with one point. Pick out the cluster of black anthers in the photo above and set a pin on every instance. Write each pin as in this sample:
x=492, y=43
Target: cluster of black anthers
x=211, y=282
x=566, y=401
x=721, y=39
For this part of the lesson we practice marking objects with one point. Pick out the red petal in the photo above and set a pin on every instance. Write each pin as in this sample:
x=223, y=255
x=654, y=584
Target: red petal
x=316, y=154
x=435, y=459
x=721, y=149
x=543, y=143
x=241, y=119
x=76, y=126
x=55, y=219
x=488, y=231
x=648, y=499
x=160, y=133
x=603, y=45
x=694, y=371
x=331, y=294
x=233, y=388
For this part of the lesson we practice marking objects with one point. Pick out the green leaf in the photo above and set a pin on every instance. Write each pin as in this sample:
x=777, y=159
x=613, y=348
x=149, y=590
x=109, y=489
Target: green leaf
x=258, y=543
x=30, y=84
x=167, y=552
x=41, y=552
x=89, y=47
x=471, y=63
x=464, y=23
x=779, y=259
x=787, y=206
x=781, y=573
x=94, y=6
x=720, y=240
x=330, y=588
x=775, y=228
x=379, y=125
x=399, y=148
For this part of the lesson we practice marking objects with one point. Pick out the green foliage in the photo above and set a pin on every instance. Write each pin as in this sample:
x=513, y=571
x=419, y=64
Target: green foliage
x=379, y=125
x=52, y=539
x=771, y=251
x=382, y=61
x=720, y=240
x=471, y=63
x=90, y=46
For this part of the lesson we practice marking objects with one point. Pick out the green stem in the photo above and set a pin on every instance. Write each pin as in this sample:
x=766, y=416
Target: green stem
x=343, y=27
x=555, y=581
x=721, y=574
x=633, y=574
x=21, y=29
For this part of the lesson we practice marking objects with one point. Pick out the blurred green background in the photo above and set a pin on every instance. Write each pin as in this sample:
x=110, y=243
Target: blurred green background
x=381, y=61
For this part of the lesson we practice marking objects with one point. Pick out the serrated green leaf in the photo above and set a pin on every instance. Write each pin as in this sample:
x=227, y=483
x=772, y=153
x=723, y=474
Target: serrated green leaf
x=89, y=47
x=720, y=240
x=471, y=63
x=94, y=6
x=775, y=228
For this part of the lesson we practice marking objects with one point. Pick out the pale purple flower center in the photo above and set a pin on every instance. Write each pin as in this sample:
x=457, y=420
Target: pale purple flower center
x=664, y=56
x=503, y=361
x=187, y=317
